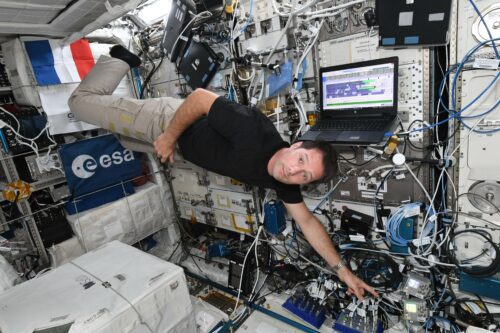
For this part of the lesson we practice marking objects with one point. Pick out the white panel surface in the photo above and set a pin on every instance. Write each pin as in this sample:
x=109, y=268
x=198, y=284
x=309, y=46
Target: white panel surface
x=76, y=294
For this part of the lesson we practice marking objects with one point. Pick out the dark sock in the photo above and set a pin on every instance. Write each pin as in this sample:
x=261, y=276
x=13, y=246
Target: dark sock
x=119, y=52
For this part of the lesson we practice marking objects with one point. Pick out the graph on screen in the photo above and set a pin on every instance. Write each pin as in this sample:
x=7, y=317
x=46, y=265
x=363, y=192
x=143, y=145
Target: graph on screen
x=358, y=88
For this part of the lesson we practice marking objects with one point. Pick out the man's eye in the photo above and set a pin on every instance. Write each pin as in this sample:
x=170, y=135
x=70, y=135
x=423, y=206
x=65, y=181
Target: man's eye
x=301, y=160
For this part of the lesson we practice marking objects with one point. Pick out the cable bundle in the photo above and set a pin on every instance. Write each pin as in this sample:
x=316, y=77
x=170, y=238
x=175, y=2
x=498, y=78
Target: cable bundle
x=394, y=222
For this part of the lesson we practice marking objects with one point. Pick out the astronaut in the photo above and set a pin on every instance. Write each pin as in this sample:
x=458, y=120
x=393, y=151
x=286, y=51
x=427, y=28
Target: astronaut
x=216, y=134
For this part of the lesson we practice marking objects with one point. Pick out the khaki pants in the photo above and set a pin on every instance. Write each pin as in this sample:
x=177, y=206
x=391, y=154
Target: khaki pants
x=136, y=123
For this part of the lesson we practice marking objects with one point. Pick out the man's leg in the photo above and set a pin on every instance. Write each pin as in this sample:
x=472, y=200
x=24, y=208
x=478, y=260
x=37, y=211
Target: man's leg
x=134, y=121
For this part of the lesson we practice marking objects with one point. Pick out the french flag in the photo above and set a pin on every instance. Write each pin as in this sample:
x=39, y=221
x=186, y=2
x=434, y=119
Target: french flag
x=56, y=64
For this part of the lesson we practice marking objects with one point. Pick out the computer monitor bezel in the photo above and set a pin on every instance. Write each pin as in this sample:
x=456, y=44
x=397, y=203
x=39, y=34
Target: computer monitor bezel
x=389, y=111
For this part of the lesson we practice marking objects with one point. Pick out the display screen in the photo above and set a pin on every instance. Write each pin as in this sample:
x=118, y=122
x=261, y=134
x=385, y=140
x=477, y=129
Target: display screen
x=364, y=87
x=411, y=307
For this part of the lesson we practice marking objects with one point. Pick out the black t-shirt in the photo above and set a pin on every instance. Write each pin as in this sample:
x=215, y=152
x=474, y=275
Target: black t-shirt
x=238, y=142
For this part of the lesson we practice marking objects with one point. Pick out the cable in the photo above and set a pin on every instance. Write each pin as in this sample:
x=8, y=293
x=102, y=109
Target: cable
x=482, y=199
x=377, y=268
x=254, y=243
x=150, y=75
x=31, y=141
x=258, y=268
x=493, y=44
x=473, y=269
x=202, y=15
x=394, y=222
x=141, y=320
x=458, y=68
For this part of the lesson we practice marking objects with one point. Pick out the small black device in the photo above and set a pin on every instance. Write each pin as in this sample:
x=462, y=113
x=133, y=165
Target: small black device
x=359, y=102
x=177, y=20
x=198, y=65
x=410, y=22
x=355, y=222
x=235, y=270
x=51, y=222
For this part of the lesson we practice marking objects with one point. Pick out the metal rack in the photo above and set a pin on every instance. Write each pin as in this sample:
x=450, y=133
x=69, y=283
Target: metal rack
x=28, y=221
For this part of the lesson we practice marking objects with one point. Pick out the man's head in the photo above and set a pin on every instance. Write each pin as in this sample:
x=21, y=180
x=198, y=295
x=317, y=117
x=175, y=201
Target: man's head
x=304, y=162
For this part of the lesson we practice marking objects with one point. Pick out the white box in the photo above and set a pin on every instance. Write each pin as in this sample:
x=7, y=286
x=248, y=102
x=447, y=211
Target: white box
x=128, y=220
x=94, y=293
x=20, y=74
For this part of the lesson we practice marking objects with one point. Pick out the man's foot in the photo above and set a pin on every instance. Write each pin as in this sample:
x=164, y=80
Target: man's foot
x=119, y=52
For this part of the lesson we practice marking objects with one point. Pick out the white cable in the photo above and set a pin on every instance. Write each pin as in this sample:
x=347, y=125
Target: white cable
x=431, y=204
x=31, y=141
x=471, y=130
x=292, y=13
x=308, y=49
x=246, y=79
x=317, y=266
x=301, y=118
x=382, y=167
x=310, y=18
x=267, y=61
x=189, y=25
x=426, y=219
x=243, y=269
x=335, y=8
x=258, y=269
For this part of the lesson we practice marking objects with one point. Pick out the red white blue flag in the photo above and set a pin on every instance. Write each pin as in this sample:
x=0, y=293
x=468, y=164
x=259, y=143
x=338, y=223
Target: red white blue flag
x=53, y=63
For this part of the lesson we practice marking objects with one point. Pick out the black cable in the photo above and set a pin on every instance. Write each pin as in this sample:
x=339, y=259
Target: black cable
x=288, y=253
x=255, y=298
x=476, y=271
x=326, y=213
x=407, y=139
x=450, y=136
x=488, y=313
x=484, y=199
x=150, y=75
x=464, y=312
x=376, y=202
x=364, y=163
x=173, y=252
x=378, y=268
x=348, y=159
x=402, y=129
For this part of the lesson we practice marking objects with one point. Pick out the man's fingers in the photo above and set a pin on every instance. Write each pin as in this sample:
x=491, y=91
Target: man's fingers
x=371, y=291
x=171, y=158
x=359, y=292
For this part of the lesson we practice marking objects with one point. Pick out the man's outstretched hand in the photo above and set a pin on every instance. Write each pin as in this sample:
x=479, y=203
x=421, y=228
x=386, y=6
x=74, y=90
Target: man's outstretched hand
x=354, y=284
x=164, y=147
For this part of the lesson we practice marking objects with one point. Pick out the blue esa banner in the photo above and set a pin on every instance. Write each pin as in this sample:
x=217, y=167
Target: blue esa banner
x=94, y=164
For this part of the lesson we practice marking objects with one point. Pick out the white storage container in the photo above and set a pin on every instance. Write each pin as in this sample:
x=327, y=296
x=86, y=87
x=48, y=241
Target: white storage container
x=23, y=83
x=116, y=288
x=128, y=220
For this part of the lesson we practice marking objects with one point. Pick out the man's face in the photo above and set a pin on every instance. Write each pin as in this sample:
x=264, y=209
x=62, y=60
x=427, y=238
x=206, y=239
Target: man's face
x=298, y=166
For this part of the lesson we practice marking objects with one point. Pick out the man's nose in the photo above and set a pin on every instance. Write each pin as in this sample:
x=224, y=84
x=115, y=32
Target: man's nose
x=294, y=169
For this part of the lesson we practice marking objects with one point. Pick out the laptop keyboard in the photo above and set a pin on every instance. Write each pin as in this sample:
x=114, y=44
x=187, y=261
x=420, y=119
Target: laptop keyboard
x=351, y=125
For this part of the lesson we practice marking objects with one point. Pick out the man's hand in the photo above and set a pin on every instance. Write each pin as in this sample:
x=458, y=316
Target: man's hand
x=164, y=147
x=354, y=284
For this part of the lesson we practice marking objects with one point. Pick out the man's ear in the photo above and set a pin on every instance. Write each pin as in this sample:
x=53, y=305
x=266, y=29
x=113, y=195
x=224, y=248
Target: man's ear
x=296, y=145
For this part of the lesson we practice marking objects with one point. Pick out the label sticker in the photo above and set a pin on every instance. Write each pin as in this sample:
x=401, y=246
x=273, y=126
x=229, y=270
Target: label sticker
x=486, y=63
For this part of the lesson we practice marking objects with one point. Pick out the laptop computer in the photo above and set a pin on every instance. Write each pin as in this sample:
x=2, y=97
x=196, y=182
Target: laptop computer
x=358, y=102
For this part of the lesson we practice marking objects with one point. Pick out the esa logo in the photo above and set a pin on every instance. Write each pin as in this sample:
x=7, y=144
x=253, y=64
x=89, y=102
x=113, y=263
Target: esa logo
x=85, y=166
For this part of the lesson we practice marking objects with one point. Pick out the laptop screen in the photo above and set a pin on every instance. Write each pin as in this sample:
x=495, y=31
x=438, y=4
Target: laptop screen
x=368, y=85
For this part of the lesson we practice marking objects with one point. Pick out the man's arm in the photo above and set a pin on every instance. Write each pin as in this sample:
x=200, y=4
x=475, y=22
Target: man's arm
x=196, y=105
x=316, y=235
